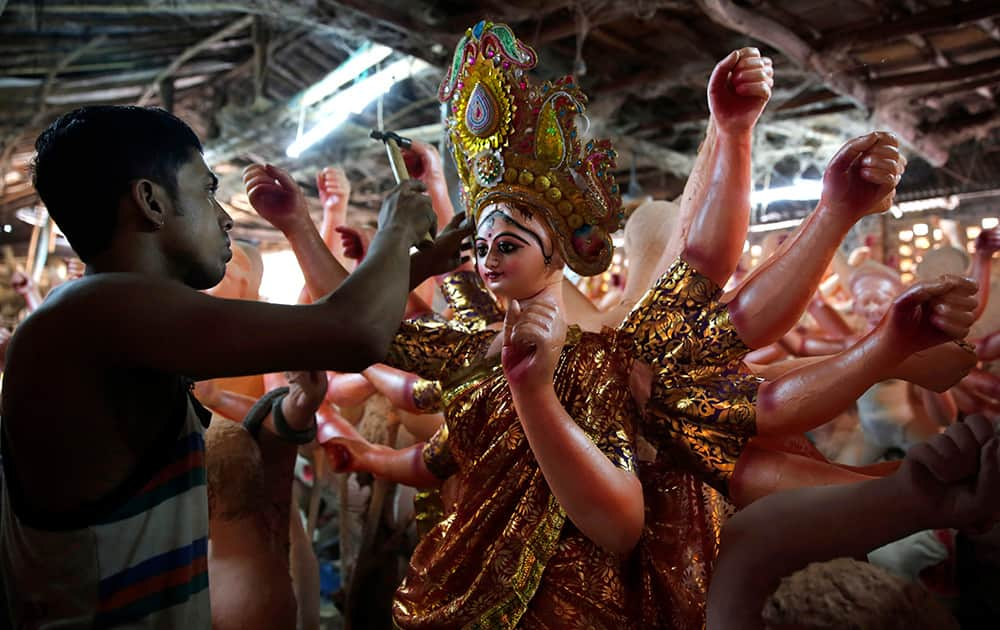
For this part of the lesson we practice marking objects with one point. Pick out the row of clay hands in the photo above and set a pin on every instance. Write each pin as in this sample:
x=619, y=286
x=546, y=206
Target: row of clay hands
x=406, y=212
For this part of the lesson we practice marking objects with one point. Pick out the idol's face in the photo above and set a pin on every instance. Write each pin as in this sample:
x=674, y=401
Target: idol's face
x=514, y=252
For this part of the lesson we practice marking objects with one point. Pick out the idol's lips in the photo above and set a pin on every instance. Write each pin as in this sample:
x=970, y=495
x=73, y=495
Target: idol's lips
x=493, y=275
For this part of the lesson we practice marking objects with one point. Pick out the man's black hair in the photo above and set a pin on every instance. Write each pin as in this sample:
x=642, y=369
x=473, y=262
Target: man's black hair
x=87, y=158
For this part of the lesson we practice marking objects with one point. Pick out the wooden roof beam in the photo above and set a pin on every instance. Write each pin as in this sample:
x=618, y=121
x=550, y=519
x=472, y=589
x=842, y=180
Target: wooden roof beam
x=808, y=97
x=950, y=16
x=818, y=111
x=938, y=75
x=829, y=67
x=243, y=23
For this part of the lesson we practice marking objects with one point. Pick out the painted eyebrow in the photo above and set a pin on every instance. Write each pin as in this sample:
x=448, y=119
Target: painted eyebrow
x=511, y=219
x=509, y=234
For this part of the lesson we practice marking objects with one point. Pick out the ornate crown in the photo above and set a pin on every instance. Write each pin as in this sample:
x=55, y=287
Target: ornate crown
x=517, y=142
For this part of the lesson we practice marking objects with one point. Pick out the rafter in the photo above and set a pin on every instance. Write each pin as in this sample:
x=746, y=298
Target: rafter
x=758, y=26
x=950, y=16
x=938, y=75
x=191, y=51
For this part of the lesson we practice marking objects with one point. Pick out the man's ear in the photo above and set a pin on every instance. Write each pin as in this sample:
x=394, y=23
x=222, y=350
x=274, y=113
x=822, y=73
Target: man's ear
x=151, y=202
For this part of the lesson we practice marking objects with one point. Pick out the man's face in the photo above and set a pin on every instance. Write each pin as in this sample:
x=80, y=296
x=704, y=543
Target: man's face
x=195, y=232
x=510, y=252
x=236, y=284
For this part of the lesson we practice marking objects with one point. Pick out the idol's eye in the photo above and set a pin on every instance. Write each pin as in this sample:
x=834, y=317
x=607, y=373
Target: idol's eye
x=506, y=247
x=481, y=250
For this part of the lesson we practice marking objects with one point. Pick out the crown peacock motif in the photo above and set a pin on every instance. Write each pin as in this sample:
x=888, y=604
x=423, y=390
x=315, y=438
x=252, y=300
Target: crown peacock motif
x=518, y=143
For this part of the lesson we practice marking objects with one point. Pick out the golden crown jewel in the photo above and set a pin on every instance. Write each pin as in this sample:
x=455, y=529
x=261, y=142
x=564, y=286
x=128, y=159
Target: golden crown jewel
x=517, y=142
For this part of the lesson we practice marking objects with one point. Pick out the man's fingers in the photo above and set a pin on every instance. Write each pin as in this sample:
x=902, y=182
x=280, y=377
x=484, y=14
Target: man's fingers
x=964, y=438
x=944, y=465
x=987, y=493
x=456, y=222
x=981, y=427
x=926, y=456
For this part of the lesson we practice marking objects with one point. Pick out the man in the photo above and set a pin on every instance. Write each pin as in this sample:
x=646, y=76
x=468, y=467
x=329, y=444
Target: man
x=951, y=480
x=104, y=505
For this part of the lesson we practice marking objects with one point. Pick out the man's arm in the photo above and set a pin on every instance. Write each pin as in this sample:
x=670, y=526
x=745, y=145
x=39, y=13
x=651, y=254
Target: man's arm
x=951, y=481
x=166, y=326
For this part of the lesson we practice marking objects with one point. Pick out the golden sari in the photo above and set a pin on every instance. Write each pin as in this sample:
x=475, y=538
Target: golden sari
x=507, y=556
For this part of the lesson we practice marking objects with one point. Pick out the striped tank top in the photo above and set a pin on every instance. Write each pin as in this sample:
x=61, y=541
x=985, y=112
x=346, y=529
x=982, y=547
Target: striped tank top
x=136, y=558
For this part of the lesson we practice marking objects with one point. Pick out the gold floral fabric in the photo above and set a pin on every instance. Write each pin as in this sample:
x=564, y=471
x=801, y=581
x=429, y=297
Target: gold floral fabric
x=471, y=303
x=437, y=455
x=506, y=556
x=702, y=407
x=426, y=395
x=679, y=544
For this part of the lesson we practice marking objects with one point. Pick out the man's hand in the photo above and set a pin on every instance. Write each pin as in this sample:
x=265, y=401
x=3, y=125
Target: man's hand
x=275, y=196
x=306, y=391
x=988, y=242
x=957, y=474
x=445, y=254
x=861, y=178
x=533, y=338
x=930, y=313
x=738, y=90
x=407, y=209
